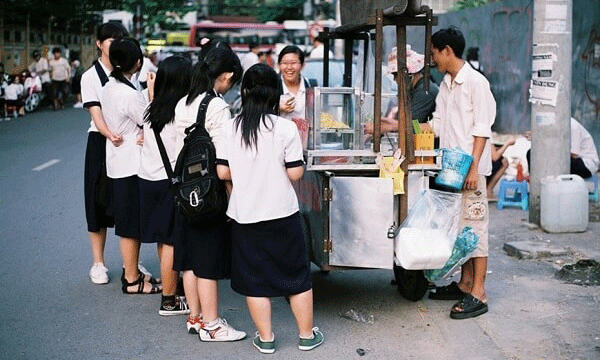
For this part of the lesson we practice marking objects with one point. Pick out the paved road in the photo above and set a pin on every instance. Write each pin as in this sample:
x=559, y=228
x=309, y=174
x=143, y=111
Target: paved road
x=50, y=309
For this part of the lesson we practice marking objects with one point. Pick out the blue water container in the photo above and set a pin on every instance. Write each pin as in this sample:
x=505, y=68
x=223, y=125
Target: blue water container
x=455, y=167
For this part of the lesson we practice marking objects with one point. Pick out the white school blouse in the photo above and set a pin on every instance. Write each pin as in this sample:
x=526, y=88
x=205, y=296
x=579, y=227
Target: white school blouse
x=217, y=114
x=261, y=188
x=464, y=108
x=91, y=90
x=151, y=164
x=123, y=107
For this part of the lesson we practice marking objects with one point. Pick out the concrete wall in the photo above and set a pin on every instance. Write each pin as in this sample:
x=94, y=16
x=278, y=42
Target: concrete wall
x=503, y=33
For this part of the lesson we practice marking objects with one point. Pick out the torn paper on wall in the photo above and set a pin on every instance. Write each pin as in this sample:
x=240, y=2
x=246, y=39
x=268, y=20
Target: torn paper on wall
x=542, y=65
x=543, y=92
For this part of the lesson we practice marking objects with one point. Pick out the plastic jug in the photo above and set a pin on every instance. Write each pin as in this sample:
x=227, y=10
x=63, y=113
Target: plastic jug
x=564, y=204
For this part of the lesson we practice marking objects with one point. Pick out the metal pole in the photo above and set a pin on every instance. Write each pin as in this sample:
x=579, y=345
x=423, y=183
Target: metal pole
x=550, y=95
x=378, y=79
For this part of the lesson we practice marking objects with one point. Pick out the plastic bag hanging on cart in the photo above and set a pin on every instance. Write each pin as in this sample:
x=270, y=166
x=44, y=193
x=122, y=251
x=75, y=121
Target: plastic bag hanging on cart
x=428, y=233
x=465, y=243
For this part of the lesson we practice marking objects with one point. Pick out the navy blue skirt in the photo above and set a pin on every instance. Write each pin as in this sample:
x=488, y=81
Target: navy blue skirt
x=157, y=212
x=126, y=206
x=204, y=248
x=96, y=184
x=269, y=258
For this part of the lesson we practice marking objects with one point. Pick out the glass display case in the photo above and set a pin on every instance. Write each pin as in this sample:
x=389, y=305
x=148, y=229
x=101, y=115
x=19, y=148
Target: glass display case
x=335, y=136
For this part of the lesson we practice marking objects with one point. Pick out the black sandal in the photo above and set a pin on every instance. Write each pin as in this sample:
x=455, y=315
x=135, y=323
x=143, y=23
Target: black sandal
x=468, y=307
x=152, y=280
x=449, y=292
x=140, y=286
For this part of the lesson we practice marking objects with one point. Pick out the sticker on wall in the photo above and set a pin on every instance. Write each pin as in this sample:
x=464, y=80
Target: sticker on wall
x=556, y=18
x=542, y=65
x=543, y=92
x=545, y=118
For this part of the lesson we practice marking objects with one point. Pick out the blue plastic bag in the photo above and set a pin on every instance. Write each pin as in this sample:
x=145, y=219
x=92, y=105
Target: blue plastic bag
x=465, y=243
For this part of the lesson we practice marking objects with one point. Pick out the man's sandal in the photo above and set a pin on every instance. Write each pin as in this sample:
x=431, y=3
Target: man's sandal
x=468, y=307
x=449, y=292
x=140, y=286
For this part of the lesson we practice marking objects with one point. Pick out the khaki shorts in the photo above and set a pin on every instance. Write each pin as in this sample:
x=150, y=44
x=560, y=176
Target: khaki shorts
x=476, y=215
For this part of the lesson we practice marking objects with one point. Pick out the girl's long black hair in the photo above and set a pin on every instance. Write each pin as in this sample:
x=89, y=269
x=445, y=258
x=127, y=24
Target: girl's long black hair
x=171, y=84
x=218, y=60
x=260, y=97
x=124, y=54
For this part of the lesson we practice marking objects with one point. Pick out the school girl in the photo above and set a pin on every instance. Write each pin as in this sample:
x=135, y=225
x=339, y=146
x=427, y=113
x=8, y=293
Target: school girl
x=157, y=206
x=261, y=154
x=123, y=107
x=202, y=250
x=95, y=180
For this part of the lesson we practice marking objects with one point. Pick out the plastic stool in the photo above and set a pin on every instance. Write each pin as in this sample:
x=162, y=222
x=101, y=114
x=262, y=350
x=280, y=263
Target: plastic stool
x=520, y=197
x=593, y=195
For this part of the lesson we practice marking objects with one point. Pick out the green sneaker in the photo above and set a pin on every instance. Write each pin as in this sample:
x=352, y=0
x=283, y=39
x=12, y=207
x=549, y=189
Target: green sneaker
x=309, y=344
x=265, y=347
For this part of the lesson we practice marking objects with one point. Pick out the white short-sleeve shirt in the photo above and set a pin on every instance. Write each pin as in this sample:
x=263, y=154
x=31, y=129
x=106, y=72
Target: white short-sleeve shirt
x=151, y=164
x=91, y=89
x=123, y=108
x=582, y=145
x=261, y=188
x=464, y=108
x=217, y=114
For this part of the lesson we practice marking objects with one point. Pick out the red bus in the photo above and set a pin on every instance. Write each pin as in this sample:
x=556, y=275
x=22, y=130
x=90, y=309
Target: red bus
x=238, y=35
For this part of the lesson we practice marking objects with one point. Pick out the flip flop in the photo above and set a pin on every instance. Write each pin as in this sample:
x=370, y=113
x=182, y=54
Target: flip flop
x=471, y=307
x=449, y=292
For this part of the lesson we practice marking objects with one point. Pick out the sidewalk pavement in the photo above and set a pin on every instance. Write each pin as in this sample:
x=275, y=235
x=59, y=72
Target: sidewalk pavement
x=527, y=241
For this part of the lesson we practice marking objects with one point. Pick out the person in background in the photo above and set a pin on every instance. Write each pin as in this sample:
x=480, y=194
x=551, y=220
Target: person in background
x=150, y=65
x=422, y=102
x=123, y=108
x=4, y=82
x=464, y=115
x=292, y=85
x=13, y=94
x=60, y=73
x=473, y=59
x=40, y=67
x=318, y=51
x=499, y=166
x=157, y=203
x=584, y=156
x=76, y=73
x=269, y=256
x=251, y=57
x=203, y=249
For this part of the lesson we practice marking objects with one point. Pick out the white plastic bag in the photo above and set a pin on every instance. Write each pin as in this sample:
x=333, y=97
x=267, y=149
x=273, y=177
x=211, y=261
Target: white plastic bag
x=428, y=233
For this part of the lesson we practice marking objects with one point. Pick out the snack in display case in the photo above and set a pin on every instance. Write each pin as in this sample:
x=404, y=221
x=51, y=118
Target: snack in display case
x=328, y=122
x=334, y=118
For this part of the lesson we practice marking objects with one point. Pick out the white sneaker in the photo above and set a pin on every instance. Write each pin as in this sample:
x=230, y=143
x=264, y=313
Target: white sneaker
x=194, y=324
x=99, y=273
x=220, y=331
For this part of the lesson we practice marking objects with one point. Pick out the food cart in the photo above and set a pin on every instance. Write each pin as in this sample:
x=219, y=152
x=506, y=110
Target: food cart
x=351, y=215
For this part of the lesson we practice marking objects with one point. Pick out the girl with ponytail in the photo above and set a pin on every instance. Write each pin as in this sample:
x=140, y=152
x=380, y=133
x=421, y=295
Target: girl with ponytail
x=157, y=205
x=261, y=154
x=123, y=107
x=202, y=250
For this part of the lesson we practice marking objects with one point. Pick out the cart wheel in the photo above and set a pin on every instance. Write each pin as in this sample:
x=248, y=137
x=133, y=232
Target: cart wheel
x=412, y=284
x=32, y=102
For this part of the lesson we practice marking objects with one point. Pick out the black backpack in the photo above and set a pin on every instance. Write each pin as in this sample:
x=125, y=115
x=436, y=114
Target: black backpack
x=199, y=194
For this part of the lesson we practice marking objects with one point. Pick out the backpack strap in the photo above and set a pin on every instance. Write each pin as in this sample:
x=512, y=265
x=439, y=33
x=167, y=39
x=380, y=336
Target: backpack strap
x=101, y=74
x=201, y=117
x=164, y=157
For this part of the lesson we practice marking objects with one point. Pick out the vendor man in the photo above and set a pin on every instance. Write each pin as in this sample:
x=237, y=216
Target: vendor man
x=463, y=118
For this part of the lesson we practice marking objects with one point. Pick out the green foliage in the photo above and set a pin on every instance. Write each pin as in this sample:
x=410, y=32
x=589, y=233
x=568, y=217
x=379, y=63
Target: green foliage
x=468, y=4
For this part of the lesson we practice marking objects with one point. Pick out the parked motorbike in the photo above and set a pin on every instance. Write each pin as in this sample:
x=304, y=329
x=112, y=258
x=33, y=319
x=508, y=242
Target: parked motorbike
x=33, y=91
